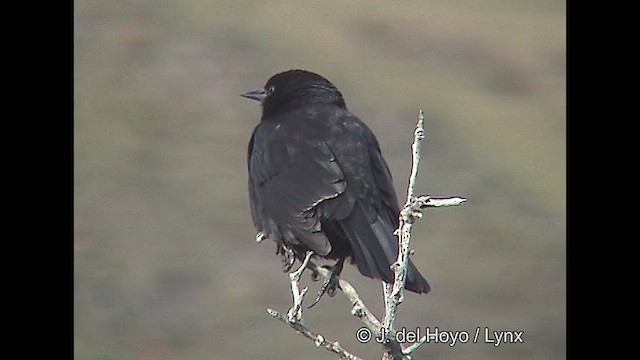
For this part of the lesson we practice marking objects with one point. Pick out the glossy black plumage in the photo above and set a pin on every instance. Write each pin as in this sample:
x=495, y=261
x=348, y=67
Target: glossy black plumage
x=317, y=179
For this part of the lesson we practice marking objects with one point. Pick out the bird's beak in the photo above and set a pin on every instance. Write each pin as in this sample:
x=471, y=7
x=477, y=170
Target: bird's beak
x=257, y=95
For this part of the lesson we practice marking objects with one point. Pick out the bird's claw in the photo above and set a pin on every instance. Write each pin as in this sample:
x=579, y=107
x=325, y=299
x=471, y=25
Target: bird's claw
x=287, y=256
x=330, y=285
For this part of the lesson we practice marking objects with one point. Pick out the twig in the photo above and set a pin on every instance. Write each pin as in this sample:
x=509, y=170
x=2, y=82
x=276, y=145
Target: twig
x=423, y=201
x=294, y=315
x=260, y=237
x=318, y=339
x=409, y=349
x=295, y=312
x=359, y=309
x=394, y=294
x=412, y=210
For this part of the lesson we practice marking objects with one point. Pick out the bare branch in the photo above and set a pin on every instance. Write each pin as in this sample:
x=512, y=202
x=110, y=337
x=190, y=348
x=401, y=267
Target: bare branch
x=418, y=135
x=294, y=315
x=318, y=339
x=394, y=295
x=359, y=309
x=260, y=237
x=413, y=347
x=295, y=312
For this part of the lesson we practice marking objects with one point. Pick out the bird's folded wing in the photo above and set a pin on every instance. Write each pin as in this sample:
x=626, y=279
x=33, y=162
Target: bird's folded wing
x=288, y=179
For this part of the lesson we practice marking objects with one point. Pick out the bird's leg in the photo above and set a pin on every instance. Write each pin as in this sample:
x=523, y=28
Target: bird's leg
x=331, y=283
x=315, y=274
x=288, y=257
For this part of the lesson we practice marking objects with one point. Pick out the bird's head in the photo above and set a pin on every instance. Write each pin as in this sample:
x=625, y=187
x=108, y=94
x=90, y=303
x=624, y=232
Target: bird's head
x=293, y=89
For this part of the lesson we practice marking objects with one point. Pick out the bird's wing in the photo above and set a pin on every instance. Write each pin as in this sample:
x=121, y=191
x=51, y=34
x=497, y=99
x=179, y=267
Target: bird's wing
x=289, y=175
x=366, y=214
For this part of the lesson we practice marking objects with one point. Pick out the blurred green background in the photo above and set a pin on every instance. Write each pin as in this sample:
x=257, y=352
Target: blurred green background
x=166, y=266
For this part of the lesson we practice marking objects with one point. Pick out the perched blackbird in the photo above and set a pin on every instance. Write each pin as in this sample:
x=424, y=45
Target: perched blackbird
x=317, y=180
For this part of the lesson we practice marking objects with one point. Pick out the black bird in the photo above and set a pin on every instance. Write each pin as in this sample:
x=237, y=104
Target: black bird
x=317, y=180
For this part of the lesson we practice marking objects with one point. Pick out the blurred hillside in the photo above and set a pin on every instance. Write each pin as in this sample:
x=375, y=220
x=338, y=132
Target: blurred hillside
x=166, y=266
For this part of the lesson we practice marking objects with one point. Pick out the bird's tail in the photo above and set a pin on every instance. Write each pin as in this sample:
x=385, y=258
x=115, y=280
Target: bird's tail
x=375, y=248
x=415, y=281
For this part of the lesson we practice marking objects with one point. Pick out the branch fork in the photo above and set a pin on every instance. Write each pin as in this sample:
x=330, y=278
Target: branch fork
x=393, y=293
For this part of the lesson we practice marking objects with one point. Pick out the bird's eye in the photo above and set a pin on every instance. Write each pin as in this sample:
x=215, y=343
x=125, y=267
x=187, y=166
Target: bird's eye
x=270, y=90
